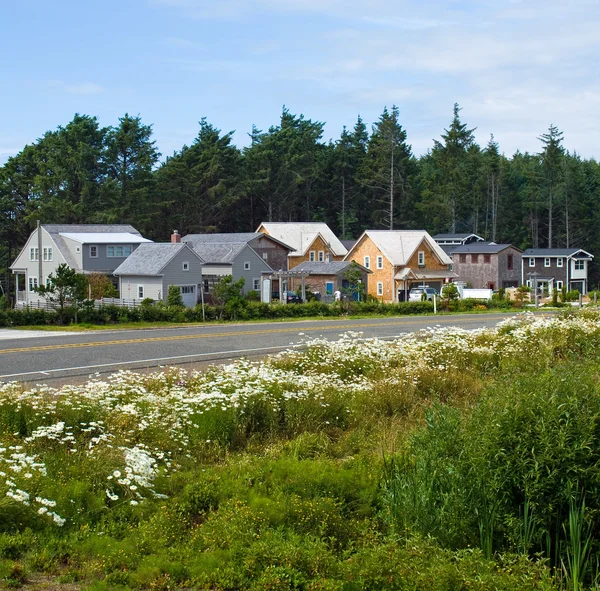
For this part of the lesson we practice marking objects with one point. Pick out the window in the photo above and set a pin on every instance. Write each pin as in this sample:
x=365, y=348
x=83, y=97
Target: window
x=487, y=258
x=256, y=284
x=380, y=262
x=547, y=262
x=185, y=266
x=265, y=256
x=34, y=254
x=48, y=282
x=311, y=256
x=474, y=258
x=206, y=286
x=367, y=262
x=579, y=265
x=463, y=258
x=186, y=289
x=47, y=253
x=421, y=257
x=529, y=283
x=559, y=262
x=531, y=262
x=33, y=283
x=118, y=251
x=78, y=249
x=327, y=258
x=559, y=285
x=247, y=266
x=380, y=288
x=509, y=262
x=140, y=292
x=329, y=288
x=321, y=256
x=93, y=252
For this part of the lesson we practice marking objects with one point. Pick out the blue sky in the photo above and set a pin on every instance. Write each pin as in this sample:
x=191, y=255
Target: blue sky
x=514, y=66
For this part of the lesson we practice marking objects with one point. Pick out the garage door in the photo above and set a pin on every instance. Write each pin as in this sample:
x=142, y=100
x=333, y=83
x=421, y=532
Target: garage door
x=188, y=295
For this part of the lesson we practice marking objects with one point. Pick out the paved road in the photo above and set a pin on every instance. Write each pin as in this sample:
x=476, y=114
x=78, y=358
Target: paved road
x=62, y=357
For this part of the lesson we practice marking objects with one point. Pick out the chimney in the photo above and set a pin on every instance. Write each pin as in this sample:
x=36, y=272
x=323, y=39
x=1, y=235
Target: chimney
x=175, y=237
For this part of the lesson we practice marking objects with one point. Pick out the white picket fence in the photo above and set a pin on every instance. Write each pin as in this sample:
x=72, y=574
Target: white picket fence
x=44, y=305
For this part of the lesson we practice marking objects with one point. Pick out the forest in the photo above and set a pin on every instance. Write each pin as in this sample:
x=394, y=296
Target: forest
x=365, y=179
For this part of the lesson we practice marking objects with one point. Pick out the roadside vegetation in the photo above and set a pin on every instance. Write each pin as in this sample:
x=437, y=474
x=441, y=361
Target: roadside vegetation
x=445, y=460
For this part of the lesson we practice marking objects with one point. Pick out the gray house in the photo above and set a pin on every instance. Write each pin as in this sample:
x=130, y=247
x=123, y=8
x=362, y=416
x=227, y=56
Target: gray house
x=555, y=268
x=449, y=242
x=272, y=251
x=487, y=266
x=153, y=268
x=234, y=258
x=87, y=248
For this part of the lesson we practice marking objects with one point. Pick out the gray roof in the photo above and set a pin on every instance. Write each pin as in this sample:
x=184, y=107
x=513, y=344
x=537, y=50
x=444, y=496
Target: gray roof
x=231, y=238
x=55, y=231
x=218, y=253
x=151, y=258
x=482, y=248
x=348, y=243
x=560, y=252
x=331, y=268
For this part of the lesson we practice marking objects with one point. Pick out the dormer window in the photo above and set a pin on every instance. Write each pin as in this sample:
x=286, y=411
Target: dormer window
x=311, y=256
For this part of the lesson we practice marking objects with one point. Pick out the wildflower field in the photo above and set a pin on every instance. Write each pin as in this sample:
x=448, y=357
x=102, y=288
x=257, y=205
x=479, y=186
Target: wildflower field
x=441, y=460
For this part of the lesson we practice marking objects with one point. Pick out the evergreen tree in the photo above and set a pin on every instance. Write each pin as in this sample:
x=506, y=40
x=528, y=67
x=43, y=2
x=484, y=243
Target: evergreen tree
x=551, y=172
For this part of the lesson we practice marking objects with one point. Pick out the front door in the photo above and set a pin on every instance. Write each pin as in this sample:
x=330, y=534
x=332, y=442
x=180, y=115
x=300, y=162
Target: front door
x=188, y=295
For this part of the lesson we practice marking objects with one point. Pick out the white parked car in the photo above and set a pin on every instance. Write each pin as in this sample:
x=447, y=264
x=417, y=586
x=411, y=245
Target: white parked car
x=418, y=294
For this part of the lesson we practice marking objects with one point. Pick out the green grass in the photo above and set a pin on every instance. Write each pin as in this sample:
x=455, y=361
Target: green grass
x=453, y=461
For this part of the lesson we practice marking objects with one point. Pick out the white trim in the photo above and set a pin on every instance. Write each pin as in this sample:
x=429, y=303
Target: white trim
x=379, y=262
x=185, y=266
x=559, y=285
x=421, y=258
x=34, y=253
x=311, y=256
x=380, y=288
x=559, y=261
x=140, y=291
x=47, y=254
x=367, y=262
x=93, y=246
x=32, y=284
x=547, y=262
x=532, y=261
x=321, y=256
x=246, y=265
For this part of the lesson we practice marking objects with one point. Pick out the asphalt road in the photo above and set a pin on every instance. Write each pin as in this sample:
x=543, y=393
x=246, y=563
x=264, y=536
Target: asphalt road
x=69, y=357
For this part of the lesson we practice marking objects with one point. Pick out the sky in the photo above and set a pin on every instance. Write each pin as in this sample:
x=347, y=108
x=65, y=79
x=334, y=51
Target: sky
x=515, y=67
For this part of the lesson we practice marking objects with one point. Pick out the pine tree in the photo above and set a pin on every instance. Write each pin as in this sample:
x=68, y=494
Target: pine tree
x=551, y=172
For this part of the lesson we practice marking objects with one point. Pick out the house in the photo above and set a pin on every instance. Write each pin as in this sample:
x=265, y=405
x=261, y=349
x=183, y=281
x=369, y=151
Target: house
x=327, y=278
x=231, y=256
x=272, y=251
x=449, y=242
x=152, y=268
x=555, y=268
x=487, y=265
x=87, y=248
x=399, y=260
x=311, y=241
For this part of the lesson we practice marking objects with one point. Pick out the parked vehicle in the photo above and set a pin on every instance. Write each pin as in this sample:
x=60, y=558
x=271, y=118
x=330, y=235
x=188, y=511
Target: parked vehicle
x=418, y=294
x=291, y=297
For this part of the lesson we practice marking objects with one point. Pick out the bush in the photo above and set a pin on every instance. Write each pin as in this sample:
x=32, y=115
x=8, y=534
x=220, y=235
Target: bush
x=572, y=296
x=174, y=298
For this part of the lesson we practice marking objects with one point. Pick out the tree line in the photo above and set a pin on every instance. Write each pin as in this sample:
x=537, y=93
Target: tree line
x=366, y=178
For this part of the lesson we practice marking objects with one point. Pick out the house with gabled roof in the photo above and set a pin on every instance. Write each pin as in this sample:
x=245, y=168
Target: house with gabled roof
x=311, y=241
x=231, y=256
x=87, y=248
x=399, y=260
x=152, y=268
x=555, y=268
x=271, y=250
x=485, y=265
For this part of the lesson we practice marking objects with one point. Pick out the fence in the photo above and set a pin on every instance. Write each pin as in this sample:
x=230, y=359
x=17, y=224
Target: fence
x=44, y=305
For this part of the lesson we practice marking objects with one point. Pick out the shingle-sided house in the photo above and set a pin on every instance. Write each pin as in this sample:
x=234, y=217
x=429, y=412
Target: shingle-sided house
x=487, y=265
x=400, y=259
x=311, y=241
x=87, y=248
x=327, y=278
x=555, y=268
x=237, y=259
x=272, y=251
x=153, y=268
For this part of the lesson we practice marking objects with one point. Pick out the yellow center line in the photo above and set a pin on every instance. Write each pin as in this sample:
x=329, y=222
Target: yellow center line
x=296, y=329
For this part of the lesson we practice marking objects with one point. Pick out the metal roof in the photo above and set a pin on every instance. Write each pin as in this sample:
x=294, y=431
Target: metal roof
x=105, y=237
x=300, y=235
x=151, y=258
x=398, y=246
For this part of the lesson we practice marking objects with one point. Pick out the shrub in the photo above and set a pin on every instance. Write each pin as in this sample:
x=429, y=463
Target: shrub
x=174, y=298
